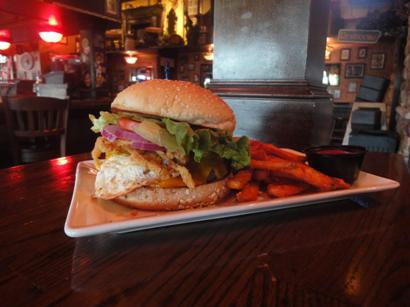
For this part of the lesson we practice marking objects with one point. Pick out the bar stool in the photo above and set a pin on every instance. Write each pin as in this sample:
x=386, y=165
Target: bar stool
x=37, y=127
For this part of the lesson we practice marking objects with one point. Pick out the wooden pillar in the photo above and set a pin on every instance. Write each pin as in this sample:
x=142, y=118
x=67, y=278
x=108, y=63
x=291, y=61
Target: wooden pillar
x=268, y=65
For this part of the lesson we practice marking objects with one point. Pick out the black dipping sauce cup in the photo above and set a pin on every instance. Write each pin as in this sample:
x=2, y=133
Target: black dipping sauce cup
x=341, y=161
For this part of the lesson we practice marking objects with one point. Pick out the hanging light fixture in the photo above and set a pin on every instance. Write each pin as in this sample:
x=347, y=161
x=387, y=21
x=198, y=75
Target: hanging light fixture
x=51, y=36
x=130, y=58
x=4, y=40
x=209, y=54
x=51, y=32
x=4, y=45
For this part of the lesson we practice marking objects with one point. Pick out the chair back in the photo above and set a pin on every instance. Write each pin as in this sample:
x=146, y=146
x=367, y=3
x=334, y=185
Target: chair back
x=37, y=127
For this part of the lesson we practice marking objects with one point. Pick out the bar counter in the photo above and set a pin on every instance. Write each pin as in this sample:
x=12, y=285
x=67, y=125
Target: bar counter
x=337, y=253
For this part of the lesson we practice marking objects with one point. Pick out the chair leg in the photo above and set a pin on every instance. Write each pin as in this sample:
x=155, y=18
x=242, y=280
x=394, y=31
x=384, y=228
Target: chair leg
x=63, y=145
x=15, y=153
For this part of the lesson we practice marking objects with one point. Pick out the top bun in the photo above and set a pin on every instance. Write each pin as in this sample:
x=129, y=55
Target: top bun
x=178, y=100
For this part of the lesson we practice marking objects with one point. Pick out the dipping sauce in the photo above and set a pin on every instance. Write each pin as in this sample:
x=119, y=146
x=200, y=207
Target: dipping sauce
x=341, y=161
x=333, y=152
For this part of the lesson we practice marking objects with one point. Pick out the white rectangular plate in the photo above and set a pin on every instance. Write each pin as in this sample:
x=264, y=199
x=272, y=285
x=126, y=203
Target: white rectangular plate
x=91, y=216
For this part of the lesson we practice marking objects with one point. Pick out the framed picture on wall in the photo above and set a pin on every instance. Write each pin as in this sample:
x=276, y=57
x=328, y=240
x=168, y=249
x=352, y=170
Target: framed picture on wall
x=377, y=60
x=336, y=94
x=354, y=71
x=345, y=54
x=362, y=53
x=352, y=87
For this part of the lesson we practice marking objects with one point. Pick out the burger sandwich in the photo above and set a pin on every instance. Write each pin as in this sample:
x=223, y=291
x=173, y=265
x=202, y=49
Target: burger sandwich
x=166, y=145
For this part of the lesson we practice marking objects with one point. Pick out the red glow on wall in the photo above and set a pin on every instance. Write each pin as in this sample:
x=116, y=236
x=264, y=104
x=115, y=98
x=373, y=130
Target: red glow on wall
x=4, y=33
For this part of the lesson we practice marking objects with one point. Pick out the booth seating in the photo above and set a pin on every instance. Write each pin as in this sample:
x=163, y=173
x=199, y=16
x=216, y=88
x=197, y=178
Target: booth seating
x=37, y=127
x=375, y=141
x=367, y=123
x=372, y=89
x=367, y=127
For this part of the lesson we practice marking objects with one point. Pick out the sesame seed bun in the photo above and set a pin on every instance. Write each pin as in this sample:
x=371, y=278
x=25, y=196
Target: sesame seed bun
x=149, y=198
x=178, y=100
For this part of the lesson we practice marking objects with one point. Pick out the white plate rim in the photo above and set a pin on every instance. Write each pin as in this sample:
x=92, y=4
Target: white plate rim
x=211, y=213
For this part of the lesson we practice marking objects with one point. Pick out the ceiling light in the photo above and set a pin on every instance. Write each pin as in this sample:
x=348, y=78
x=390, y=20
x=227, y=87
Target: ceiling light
x=51, y=33
x=4, y=45
x=51, y=36
x=130, y=59
x=4, y=40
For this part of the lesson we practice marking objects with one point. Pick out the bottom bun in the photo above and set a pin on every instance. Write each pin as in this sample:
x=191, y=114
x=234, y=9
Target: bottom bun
x=148, y=198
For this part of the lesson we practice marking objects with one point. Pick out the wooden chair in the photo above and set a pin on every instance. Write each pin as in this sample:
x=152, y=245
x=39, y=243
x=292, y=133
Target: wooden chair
x=37, y=127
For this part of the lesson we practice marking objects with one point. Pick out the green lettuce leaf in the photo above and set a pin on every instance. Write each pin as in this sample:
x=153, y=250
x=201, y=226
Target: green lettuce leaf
x=235, y=151
x=211, y=165
x=201, y=142
x=106, y=118
x=183, y=133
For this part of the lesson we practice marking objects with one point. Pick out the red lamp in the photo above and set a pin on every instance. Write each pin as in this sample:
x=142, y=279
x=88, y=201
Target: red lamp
x=51, y=33
x=51, y=36
x=4, y=40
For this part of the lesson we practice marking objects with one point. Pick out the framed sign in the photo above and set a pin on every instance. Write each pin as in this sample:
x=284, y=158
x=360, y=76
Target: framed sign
x=352, y=87
x=354, y=71
x=377, y=60
x=362, y=53
x=358, y=36
x=345, y=54
x=336, y=94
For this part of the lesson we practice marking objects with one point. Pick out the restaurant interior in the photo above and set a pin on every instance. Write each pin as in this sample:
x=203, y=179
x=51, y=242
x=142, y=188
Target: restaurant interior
x=273, y=170
x=86, y=52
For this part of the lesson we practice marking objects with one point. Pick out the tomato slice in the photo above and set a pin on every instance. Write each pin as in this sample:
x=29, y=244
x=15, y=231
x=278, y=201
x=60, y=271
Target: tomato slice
x=127, y=124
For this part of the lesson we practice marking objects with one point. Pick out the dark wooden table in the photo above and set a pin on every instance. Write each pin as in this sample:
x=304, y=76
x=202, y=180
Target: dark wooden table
x=332, y=254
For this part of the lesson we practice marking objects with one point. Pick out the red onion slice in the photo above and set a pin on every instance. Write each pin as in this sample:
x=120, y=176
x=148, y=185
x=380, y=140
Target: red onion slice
x=113, y=132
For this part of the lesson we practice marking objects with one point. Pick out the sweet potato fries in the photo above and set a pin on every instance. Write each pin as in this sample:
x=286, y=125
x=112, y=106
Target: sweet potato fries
x=279, y=172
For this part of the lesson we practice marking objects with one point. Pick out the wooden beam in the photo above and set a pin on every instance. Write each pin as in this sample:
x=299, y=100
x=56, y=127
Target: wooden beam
x=86, y=12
